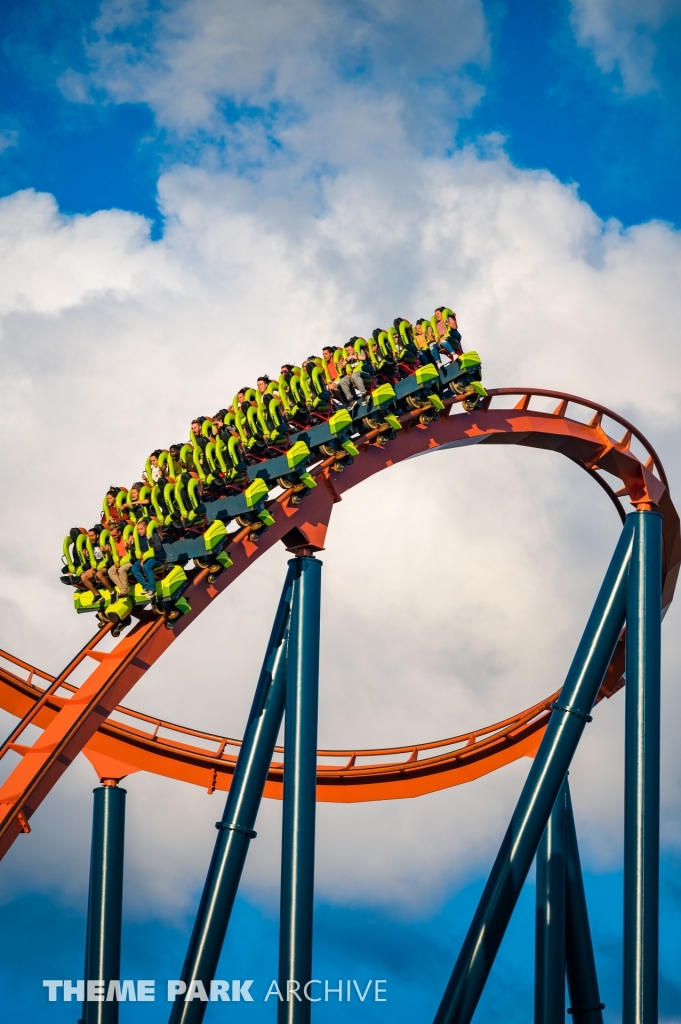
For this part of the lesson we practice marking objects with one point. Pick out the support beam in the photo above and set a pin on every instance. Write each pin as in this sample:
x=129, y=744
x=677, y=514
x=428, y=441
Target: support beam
x=549, y=958
x=300, y=794
x=580, y=963
x=235, y=830
x=642, y=774
x=105, y=900
x=550, y=766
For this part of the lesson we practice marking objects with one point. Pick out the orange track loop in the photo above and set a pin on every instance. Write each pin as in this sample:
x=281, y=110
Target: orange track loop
x=117, y=748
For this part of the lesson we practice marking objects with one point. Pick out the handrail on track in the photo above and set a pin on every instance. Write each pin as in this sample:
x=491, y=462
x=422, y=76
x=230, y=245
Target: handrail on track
x=566, y=400
x=55, y=684
x=152, y=743
x=413, y=749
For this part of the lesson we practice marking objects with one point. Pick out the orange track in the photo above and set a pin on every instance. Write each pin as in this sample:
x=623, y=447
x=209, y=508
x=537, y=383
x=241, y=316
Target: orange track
x=75, y=719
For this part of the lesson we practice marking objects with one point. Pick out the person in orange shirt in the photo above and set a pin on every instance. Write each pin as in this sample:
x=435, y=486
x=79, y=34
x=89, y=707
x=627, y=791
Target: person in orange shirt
x=119, y=574
x=331, y=372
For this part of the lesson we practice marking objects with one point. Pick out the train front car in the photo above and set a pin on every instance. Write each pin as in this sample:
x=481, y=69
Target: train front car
x=196, y=497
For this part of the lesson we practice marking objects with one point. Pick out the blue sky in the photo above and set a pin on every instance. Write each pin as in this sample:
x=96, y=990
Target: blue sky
x=414, y=957
x=542, y=91
x=232, y=176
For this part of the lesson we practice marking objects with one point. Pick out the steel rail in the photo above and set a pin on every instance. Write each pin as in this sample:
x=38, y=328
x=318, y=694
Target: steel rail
x=482, y=750
x=55, y=684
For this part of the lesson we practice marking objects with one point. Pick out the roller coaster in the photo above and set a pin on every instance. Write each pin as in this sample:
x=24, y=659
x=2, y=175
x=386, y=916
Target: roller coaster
x=272, y=473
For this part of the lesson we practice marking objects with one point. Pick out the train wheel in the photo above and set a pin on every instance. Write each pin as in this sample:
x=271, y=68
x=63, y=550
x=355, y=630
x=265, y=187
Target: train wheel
x=328, y=449
x=414, y=401
x=299, y=495
x=338, y=466
x=381, y=441
x=471, y=402
x=426, y=418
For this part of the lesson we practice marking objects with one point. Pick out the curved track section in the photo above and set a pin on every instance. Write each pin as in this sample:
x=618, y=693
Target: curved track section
x=89, y=717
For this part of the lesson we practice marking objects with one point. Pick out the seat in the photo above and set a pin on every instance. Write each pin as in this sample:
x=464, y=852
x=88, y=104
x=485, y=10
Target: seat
x=72, y=548
x=317, y=396
x=293, y=397
x=188, y=503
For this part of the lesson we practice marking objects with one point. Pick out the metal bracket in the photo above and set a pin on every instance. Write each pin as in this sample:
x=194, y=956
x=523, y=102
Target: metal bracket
x=571, y=711
x=236, y=828
x=23, y=822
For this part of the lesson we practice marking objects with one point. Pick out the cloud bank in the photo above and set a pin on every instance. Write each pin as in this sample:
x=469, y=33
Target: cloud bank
x=112, y=342
x=456, y=586
x=625, y=36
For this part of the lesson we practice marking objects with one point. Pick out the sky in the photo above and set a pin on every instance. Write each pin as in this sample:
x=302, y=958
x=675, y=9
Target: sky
x=192, y=192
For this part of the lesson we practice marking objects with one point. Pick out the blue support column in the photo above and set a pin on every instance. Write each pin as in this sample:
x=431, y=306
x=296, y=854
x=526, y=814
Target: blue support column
x=105, y=900
x=235, y=830
x=580, y=963
x=549, y=958
x=642, y=773
x=300, y=782
x=549, y=768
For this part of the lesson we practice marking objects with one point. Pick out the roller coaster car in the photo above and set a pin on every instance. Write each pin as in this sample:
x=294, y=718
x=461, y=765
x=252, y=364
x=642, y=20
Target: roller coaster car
x=332, y=438
x=170, y=584
x=226, y=476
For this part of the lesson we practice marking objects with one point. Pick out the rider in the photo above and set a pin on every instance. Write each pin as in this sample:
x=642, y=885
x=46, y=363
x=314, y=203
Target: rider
x=448, y=338
x=331, y=373
x=174, y=452
x=219, y=420
x=143, y=570
x=97, y=573
x=112, y=514
x=139, y=506
x=356, y=373
x=157, y=473
x=118, y=574
x=452, y=335
x=197, y=424
x=262, y=384
x=419, y=335
x=243, y=402
x=407, y=349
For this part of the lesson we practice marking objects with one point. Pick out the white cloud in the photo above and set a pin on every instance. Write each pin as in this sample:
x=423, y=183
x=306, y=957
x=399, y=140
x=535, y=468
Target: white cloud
x=455, y=586
x=253, y=74
x=88, y=256
x=624, y=36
